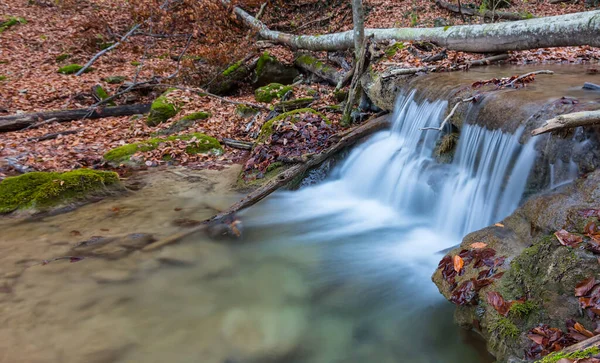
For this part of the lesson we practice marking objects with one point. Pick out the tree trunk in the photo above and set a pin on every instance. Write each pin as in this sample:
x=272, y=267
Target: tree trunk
x=18, y=122
x=554, y=31
x=569, y=120
x=358, y=17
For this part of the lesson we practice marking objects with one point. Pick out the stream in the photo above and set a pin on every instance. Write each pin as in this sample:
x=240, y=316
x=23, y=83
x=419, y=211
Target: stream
x=337, y=271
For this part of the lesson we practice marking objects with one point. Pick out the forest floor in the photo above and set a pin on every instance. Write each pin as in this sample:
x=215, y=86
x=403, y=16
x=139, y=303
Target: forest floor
x=54, y=34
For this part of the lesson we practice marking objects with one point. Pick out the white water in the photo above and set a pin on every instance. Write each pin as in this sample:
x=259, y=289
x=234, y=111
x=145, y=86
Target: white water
x=381, y=218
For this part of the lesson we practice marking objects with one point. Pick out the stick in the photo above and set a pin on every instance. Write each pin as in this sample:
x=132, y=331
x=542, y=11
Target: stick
x=512, y=84
x=280, y=180
x=33, y=126
x=569, y=120
x=448, y=117
x=489, y=60
x=204, y=93
x=244, y=145
x=53, y=135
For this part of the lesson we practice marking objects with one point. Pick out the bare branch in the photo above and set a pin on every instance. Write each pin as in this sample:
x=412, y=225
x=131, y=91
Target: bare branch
x=449, y=115
x=512, y=84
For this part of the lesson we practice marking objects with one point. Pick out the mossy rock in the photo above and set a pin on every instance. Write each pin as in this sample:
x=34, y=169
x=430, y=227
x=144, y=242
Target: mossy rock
x=245, y=111
x=269, y=70
x=290, y=105
x=114, y=79
x=62, y=57
x=161, y=110
x=393, y=49
x=72, y=69
x=270, y=92
x=44, y=190
x=203, y=144
x=340, y=95
x=293, y=116
x=12, y=21
x=200, y=115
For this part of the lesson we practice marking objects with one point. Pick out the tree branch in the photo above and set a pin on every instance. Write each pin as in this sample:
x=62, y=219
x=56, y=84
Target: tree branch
x=569, y=120
x=449, y=115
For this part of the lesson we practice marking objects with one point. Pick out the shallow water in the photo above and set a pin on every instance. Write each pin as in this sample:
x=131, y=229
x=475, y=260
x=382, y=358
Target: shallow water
x=335, y=272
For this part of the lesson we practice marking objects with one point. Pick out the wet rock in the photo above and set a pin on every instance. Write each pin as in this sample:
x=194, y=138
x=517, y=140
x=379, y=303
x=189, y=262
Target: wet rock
x=264, y=333
x=176, y=257
x=112, y=247
x=279, y=281
x=112, y=276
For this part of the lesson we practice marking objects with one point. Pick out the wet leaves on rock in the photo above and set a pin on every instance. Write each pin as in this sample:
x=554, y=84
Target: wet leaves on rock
x=568, y=239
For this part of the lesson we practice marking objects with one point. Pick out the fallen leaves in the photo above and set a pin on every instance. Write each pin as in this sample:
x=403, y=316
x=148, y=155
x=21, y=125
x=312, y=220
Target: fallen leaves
x=478, y=245
x=568, y=239
x=458, y=263
x=582, y=288
x=547, y=340
x=498, y=303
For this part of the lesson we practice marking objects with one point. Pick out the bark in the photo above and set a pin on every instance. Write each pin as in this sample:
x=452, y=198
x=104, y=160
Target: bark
x=569, y=120
x=18, y=122
x=346, y=139
x=555, y=31
x=358, y=18
x=474, y=12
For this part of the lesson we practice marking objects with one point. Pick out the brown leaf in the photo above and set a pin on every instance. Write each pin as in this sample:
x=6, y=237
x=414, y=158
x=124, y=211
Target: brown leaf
x=582, y=288
x=538, y=339
x=568, y=239
x=497, y=302
x=458, y=263
x=478, y=245
x=580, y=328
x=499, y=225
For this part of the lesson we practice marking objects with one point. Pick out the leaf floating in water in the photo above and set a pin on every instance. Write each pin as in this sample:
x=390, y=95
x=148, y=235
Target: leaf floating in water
x=478, y=245
x=568, y=239
x=458, y=263
x=582, y=288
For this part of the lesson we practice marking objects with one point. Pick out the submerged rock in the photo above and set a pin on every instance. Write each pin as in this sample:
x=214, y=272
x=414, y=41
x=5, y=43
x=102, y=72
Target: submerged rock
x=46, y=190
x=530, y=269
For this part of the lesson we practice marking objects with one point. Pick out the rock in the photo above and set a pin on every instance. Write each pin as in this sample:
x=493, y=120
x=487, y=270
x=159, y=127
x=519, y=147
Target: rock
x=112, y=276
x=161, y=110
x=264, y=333
x=176, y=256
x=293, y=116
x=47, y=190
x=270, y=92
x=270, y=70
x=535, y=266
x=184, y=123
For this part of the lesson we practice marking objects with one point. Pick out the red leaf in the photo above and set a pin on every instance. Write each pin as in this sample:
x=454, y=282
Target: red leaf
x=582, y=288
x=497, y=302
x=568, y=239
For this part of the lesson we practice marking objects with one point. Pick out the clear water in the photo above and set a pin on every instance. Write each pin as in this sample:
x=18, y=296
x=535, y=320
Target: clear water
x=334, y=272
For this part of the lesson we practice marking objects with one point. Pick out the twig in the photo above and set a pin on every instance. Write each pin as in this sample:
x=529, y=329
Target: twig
x=187, y=45
x=449, y=115
x=104, y=51
x=53, y=135
x=512, y=84
x=204, y=93
x=244, y=145
x=162, y=35
x=33, y=126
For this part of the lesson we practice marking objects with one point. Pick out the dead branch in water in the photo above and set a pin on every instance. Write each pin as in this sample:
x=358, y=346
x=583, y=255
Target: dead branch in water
x=449, y=115
x=569, y=120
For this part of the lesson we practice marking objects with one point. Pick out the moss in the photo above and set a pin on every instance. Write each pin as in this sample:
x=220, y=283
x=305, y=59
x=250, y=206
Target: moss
x=285, y=106
x=264, y=59
x=274, y=166
x=73, y=68
x=43, y=190
x=114, y=79
x=135, y=63
x=271, y=91
x=340, y=95
x=555, y=357
x=161, y=110
x=314, y=63
x=505, y=328
x=393, y=49
x=232, y=68
x=522, y=310
x=446, y=27
x=245, y=111
x=293, y=116
x=203, y=144
x=105, y=45
x=102, y=94
x=3, y=78
x=12, y=21
x=200, y=115
x=63, y=57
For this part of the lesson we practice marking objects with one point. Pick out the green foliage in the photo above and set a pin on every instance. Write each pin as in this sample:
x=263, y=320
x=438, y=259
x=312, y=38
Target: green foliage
x=114, y=79
x=62, y=57
x=233, y=68
x=504, y=327
x=161, y=110
x=12, y=21
x=293, y=116
x=46, y=189
x=447, y=27
x=203, y=144
x=555, y=357
x=72, y=69
x=200, y=115
x=270, y=92
x=3, y=78
x=522, y=310
x=393, y=49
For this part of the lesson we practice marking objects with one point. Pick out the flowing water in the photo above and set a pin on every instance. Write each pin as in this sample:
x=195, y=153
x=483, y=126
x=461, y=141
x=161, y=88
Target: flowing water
x=334, y=272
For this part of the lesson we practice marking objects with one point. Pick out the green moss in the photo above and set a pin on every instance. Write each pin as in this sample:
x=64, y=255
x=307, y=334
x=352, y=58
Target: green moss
x=393, y=49
x=135, y=63
x=200, y=115
x=293, y=116
x=505, y=328
x=102, y=94
x=446, y=27
x=12, y=21
x=3, y=78
x=161, y=110
x=73, y=68
x=264, y=59
x=314, y=63
x=42, y=190
x=285, y=106
x=114, y=79
x=274, y=166
x=245, y=111
x=203, y=144
x=63, y=57
x=340, y=95
x=555, y=357
x=232, y=68
x=522, y=310
x=270, y=92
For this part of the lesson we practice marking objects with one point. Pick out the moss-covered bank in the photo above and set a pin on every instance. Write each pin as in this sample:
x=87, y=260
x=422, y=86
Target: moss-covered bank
x=44, y=190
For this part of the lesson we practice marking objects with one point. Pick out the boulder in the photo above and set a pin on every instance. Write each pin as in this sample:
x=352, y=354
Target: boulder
x=270, y=70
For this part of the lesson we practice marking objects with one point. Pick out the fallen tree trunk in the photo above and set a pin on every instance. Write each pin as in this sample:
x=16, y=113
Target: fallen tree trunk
x=475, y=12
x=569, y=120
x=554, y=31
x=18, y=122
x=348, y=138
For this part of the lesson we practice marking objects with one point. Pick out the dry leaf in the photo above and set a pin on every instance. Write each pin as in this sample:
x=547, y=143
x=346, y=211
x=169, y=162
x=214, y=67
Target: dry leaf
x=568, y=239
x=582, y=288
x=499, y=225
x=458, y=263
x=478, y=245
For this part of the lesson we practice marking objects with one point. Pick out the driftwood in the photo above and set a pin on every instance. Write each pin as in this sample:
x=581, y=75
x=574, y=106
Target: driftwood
x=512, y=84
x=244, y=145
x=591, y=86
x=449, y=115
x=18, y=122
x=493, y=15
x=569, y=120
x=346, y=138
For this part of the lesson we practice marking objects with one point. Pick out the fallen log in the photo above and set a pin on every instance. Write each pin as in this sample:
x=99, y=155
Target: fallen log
x=18, y=122
x=569, y=120
x=488, y=14
x=553, y=31
x=346, y=138
x=237, y=144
